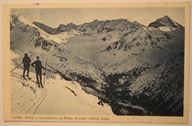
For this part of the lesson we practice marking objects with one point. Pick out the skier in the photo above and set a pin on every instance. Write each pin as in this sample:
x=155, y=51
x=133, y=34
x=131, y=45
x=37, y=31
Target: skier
x=26, y=64
x=38, y=69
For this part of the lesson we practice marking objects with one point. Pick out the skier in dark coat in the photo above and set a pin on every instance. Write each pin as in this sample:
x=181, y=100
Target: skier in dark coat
x=38, y=68
x=26, y=64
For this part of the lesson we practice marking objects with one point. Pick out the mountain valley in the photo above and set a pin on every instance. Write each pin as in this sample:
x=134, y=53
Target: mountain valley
x=136, y=69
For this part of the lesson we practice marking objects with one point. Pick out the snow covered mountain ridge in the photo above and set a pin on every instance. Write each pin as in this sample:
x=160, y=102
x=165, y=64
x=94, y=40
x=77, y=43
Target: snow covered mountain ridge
x=165, y=23
x=136, y=69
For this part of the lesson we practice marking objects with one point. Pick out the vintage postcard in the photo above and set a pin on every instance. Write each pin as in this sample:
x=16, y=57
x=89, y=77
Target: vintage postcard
x=96, y=62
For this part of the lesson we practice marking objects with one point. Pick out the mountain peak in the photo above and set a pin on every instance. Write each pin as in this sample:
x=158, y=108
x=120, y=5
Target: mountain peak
x=165, y=22
x=71, y=24
x=67, y=27
x=166, y=17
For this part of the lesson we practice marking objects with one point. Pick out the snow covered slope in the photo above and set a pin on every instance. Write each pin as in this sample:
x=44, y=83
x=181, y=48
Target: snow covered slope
x=125, y=64
x=58, y=96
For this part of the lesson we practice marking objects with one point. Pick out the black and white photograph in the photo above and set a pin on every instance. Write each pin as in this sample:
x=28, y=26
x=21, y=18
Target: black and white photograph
x=97, y=61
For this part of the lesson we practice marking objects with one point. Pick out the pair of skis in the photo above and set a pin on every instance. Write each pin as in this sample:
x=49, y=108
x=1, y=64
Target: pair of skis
x=45, y=71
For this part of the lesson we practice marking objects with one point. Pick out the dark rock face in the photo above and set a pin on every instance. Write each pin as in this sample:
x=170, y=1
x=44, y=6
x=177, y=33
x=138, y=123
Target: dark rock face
x=45, y=28
x=165, y=21
x=67, y=27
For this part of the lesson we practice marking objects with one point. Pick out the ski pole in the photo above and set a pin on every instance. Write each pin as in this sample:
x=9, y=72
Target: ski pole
x=45, y=70
x=17, y=66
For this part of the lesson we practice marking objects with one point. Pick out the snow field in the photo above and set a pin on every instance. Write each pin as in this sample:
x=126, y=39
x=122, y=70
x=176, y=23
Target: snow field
x=58, y=96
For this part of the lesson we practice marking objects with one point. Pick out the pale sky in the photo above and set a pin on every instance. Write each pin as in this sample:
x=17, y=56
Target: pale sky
x=54, y=17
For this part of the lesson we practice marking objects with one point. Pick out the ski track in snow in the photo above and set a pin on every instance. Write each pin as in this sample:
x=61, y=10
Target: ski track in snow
x=39, y=104
x=26, y=98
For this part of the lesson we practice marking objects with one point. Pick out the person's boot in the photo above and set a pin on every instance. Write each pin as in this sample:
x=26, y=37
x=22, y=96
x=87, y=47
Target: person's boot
x=41, y=85
x=28, y=77
x=24, y=77
x=38, y=84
